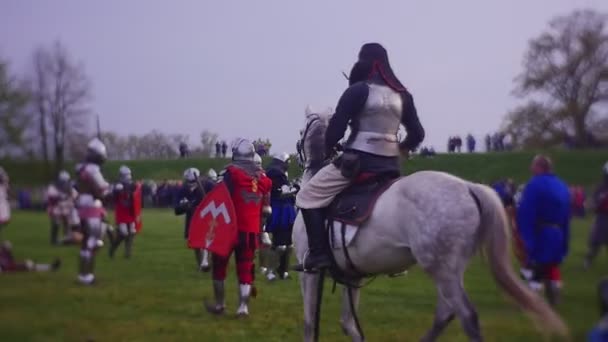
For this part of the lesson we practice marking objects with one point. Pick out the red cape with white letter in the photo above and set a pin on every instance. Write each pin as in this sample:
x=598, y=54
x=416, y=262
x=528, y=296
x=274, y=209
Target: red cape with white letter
x=213, y=225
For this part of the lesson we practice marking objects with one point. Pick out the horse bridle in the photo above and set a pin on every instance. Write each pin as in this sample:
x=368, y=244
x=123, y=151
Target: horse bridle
x=300, y=147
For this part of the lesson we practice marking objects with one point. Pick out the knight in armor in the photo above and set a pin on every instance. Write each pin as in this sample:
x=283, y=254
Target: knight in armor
x=92, y=189
x=249, y=189
x=280, y=223
x=374, y=105
x=123, y=196
x=60, y=197
x=9, y=264
x=190, y=195
x=5, y=208
x=599, y=232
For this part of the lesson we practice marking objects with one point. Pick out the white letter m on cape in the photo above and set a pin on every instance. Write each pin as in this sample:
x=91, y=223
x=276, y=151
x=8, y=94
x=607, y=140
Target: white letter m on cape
x=216, y=211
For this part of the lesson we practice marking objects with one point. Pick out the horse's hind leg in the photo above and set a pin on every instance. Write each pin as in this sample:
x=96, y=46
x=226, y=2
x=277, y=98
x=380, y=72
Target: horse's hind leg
x=452, y=292
x=454, y=300
x=443, y=316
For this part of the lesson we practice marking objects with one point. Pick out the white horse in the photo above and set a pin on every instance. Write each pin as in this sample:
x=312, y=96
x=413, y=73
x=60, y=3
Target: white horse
x=429, y=218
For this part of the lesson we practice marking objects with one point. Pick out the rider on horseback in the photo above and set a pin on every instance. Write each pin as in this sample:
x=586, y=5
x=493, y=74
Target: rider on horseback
x=374, y=105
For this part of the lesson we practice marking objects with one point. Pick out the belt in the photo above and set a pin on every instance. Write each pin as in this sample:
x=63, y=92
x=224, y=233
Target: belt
x=549, y=225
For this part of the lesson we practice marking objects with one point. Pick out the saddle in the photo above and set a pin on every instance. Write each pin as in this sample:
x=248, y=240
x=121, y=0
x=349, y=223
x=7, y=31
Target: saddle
x=355, y=204
x=349, y=210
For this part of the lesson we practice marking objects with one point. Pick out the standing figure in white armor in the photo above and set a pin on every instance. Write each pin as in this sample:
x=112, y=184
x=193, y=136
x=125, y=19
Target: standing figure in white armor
x=60, y=197
x=92, y=188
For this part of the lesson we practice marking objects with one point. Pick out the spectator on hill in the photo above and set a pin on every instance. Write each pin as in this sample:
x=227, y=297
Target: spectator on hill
x=427, y=152
x=451, y=144
x=471, y=143
x=218, y=149
x=488, y=143
x=224, y=148
x=458, y=143
x=184, y=151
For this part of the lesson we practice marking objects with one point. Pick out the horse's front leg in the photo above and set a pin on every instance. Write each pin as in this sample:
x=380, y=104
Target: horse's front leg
x=308, y=284
x=347, y=318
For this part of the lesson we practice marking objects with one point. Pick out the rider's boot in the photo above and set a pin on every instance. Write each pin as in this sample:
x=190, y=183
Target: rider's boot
x=318, y=257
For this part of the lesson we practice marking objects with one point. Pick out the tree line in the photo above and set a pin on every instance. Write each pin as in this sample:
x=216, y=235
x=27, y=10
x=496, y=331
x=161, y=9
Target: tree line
x=46, y=114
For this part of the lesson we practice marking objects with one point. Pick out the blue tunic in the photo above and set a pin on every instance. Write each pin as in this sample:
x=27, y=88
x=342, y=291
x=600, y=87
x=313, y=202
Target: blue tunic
x=283, y=208
x=543, y=219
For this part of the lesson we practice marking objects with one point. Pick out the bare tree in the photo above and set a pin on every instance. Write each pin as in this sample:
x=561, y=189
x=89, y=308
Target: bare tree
x=14, y=117
x=62, y=93
x=565, y=77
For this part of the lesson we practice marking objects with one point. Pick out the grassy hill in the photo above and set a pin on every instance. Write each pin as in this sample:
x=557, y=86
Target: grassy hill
x=576, y=167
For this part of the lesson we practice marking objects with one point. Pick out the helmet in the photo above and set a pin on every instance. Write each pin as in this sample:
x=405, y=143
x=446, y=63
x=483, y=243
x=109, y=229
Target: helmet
x=191, y=175
x=96, y=151
x=243, y=149
x=63, y=176
x=284, y=157
x=124, y=173
x=257, y=160
x=212, y=175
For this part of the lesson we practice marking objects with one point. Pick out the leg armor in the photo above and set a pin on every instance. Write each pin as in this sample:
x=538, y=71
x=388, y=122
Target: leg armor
x=93, y=232
x=129, y=240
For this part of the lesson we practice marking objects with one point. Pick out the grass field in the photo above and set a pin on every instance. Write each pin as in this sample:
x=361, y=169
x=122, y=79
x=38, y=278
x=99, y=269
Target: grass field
x=157, y=296
x=576, y=167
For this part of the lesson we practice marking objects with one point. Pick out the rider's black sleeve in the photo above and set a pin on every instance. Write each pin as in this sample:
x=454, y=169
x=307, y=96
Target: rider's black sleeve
x=409, y=119
x=350, y=104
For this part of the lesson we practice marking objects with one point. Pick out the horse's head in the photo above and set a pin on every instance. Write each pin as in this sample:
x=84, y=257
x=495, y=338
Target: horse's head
x=311, y=146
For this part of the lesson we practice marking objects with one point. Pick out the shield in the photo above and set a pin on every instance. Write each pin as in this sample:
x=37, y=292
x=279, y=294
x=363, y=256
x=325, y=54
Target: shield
x=213, y=225
x=137, y=207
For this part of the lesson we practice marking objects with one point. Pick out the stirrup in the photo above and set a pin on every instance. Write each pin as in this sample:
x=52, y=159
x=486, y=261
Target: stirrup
x=302, y=266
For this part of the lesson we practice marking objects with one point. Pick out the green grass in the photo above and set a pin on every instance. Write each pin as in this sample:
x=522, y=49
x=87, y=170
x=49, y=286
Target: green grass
x=576, y=167
x=157, y=296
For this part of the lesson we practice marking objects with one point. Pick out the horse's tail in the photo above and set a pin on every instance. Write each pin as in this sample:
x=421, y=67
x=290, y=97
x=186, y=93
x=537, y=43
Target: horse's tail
x=495, y=232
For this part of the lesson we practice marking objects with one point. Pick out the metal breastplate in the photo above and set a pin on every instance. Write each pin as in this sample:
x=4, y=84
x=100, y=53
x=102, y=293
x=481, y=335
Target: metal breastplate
x=378, y=123
x=90, y=183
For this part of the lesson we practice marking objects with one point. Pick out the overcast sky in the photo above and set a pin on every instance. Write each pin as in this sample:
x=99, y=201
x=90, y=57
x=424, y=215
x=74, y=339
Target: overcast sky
x=250, y=68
